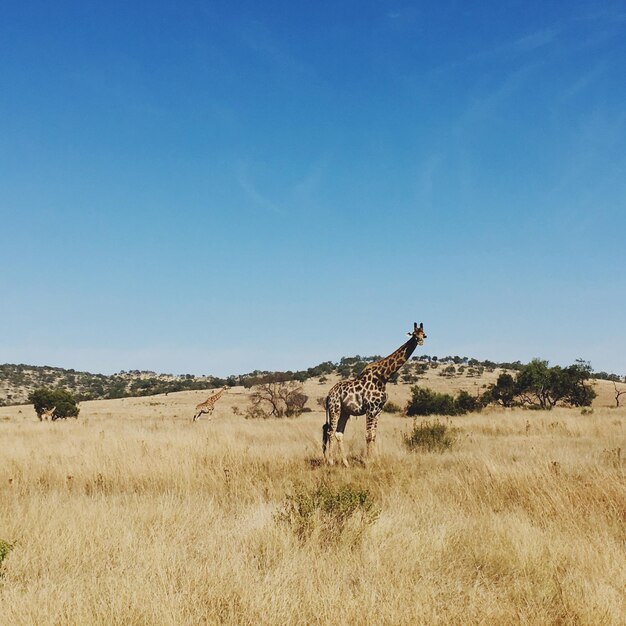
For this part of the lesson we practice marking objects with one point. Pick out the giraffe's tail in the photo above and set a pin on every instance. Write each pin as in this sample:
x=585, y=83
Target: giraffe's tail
x=325, y=427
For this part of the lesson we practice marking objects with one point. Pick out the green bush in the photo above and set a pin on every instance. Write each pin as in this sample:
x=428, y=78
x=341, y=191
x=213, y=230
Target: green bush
x=430, y=436
x=332, y=511
x=428, y=402
x=466, y=403
x=5, y=548
x=391, y=407
x=63, y=400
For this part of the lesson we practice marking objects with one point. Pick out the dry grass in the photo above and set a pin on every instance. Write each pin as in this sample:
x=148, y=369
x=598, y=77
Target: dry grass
x=134, y=515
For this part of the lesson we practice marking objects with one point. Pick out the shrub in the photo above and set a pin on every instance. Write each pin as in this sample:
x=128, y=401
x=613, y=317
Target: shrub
x=466, y=403
x=391, y=407
x=428, y=402
x=431, y=436
x=63, y=400
x=332, y=511
x=5, y=548
x=255, y=413
x=448, y=371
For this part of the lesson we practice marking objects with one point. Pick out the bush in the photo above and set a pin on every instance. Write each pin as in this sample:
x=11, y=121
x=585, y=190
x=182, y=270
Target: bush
x=431, y=436
x=428, y=402
x=5, y=548
x=391, y=407
x=333, y=511
x=466, y=403
x=256, y=413
x=46, y=399
x=448, y=371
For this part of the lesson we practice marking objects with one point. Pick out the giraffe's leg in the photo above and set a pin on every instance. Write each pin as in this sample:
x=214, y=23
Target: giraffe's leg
x=371, y=425
x=341, y=426
x=332, y=417
x=197, y=415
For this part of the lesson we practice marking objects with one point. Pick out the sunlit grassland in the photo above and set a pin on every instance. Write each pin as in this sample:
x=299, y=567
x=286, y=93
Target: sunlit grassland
x=134, y=515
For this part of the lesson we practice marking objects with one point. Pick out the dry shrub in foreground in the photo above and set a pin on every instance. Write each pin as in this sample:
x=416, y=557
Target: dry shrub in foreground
x=432, y=436
x=5, y=548
x=332, y=512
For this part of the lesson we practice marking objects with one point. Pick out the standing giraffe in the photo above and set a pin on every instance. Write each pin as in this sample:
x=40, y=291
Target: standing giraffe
x=364, y=395
x=47, y=414
x=208, y=405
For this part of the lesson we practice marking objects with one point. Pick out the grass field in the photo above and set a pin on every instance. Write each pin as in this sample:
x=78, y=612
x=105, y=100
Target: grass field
x=133, y=515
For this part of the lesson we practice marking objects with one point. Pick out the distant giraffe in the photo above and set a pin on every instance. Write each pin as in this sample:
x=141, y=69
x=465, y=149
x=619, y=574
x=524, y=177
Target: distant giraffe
x=208, y=405
x=364, y=395
x=47, y=414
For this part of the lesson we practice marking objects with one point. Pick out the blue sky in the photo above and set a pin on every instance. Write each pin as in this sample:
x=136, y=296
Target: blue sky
x=216, y=187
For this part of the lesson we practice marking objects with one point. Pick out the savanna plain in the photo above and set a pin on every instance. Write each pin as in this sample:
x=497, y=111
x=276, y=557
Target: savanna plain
x=132, y=514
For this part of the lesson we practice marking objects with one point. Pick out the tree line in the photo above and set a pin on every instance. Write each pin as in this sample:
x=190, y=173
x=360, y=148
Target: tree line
x=17, y=381
x=535, y=385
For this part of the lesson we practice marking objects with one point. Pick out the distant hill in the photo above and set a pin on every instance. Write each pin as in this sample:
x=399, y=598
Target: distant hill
x=17, y=381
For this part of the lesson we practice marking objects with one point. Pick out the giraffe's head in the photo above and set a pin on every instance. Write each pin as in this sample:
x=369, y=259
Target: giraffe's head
x=418, y=333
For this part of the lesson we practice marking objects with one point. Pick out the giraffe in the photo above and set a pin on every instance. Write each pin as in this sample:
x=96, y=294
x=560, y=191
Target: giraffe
x=364, y=395
x=208, y=405
x=47, y=414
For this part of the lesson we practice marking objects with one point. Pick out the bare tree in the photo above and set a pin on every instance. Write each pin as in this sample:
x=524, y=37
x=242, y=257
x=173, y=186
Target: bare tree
x=618, y=393
x=278, y=399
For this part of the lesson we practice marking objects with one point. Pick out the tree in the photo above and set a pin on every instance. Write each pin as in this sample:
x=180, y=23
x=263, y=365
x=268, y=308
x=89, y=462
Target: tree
x=46, y=399
x=618, y=393
x=344, y=370
x=572, y=384
x=358, y=368
x=538, y=385
x=504, y=391
x=281, y=399
x=449, y=371
x=534, y=382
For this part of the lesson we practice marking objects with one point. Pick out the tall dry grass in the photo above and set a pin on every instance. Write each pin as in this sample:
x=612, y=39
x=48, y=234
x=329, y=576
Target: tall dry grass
x=134, y=515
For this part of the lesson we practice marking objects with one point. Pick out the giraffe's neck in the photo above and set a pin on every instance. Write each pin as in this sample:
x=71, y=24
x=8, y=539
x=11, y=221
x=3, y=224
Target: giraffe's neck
x=387, y=367
x=217, y=395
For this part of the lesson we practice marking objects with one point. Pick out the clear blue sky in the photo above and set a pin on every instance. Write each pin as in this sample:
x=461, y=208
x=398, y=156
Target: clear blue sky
x=216, y=187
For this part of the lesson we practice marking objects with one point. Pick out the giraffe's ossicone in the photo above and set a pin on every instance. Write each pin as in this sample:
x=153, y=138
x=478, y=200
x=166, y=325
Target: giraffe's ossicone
x=364, y=395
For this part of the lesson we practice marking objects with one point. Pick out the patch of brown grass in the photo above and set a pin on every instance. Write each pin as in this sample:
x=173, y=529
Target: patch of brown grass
x=134, y=515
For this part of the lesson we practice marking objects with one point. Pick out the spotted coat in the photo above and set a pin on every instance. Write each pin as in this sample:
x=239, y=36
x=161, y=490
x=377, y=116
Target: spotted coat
x=208, y=405
x=364, y=395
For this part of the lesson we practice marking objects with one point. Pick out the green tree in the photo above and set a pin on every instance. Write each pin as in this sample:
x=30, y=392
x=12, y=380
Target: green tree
x=542, y=386
x=504, y=391
x=46, y=399
x=574, y=384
